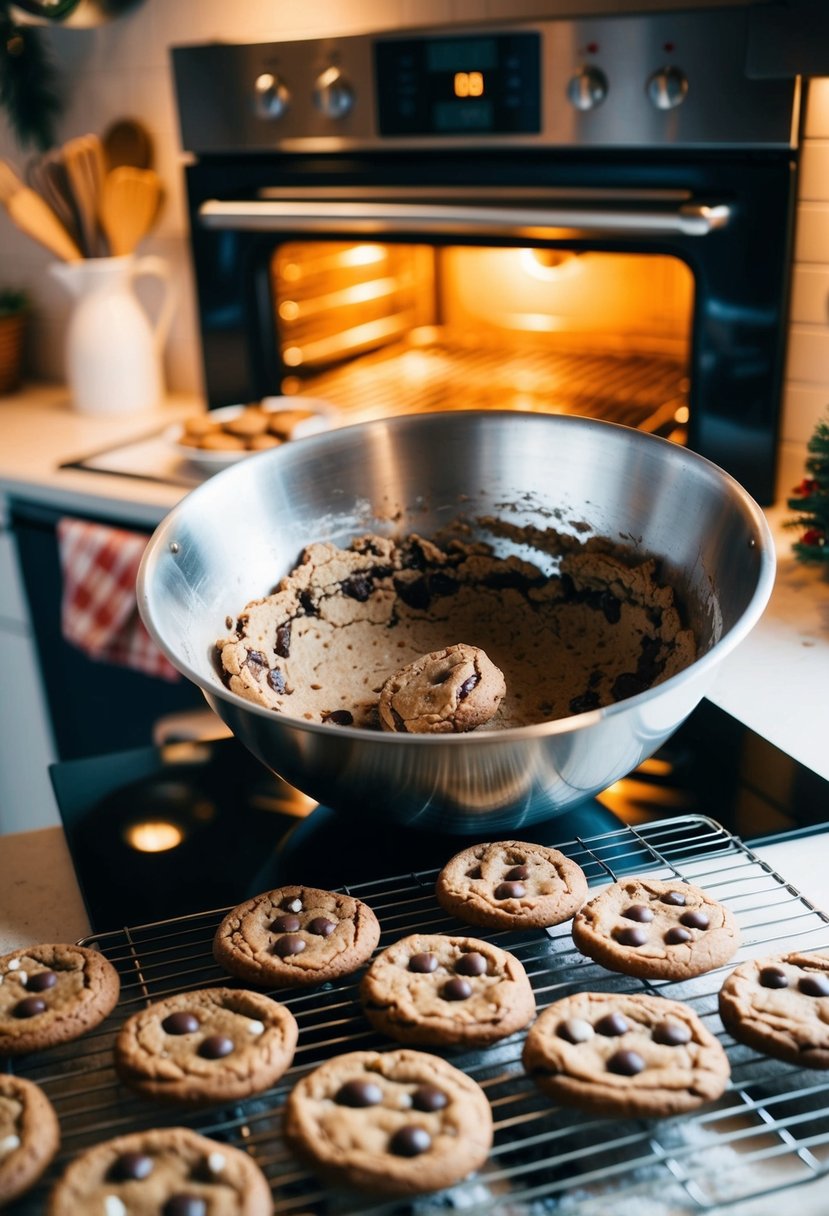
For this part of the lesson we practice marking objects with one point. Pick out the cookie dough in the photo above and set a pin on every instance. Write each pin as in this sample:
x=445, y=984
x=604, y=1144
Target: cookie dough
x=397, y=1123
x=625, y=1054
x=295, y=936
x=601, y=628
x=53, y=993
x=434, y=990
x=449, y=691
x=210, y=1045
x=511, y=885
x=656, y=930
x=780, y=1006
x=29, y=1135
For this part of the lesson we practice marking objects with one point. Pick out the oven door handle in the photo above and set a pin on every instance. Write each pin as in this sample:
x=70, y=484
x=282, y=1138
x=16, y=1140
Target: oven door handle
x=379, y=219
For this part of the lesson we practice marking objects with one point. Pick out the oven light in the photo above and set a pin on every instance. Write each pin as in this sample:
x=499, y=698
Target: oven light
x=548, y=265
x=682, y=415
x=363, y=255
x=154, y=836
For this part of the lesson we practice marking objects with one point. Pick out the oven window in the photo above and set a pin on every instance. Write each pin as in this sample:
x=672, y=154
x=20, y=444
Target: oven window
x=383, y=329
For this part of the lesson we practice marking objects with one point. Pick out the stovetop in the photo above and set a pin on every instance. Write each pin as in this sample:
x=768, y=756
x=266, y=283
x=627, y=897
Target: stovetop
x=163, y=832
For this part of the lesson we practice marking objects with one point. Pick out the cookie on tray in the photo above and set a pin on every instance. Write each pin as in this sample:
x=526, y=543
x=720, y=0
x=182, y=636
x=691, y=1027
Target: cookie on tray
x=780, y=1007
x=210, y=1045
x=625, y=1054
x=395, y=1123
x=511, y=885
x=448, y=691
x=656, y=930
x=296, y=936
x=29, y=1135
x=53, y=993
x=170, y=1170
x=436, y=990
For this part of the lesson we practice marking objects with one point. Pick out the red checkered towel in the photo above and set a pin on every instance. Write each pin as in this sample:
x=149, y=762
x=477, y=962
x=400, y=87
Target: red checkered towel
x=99, y=611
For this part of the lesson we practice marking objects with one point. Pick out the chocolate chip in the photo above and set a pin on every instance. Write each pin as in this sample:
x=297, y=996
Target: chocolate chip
x=288, y=945
x=626, y=1063
x=676, y=898
x=442, y=584
x=339, y=717
x=276, y=680
x=472, y=963
x=216, y=1047
x=283, y=640
x=634, y=936
x=612, y=1025
x=429, y=1098
x=41, y=980
x=423, y=964
x=359, y=587
x=575, y=1030
x=671, y=1034
x=180, y=1023
x=773, y=977
x=510, y=890
x=640, y=912
x=695, y=919
x=132, y=1167
x=415, y=593
x=256, y=659
x=466, y=688
x=185, y=1205
x=584, y=702
x=456, y=989
x=677, y=935
x=286, y=924
x=29, y=1007
x=321, y=926
x=359, y=1093
x=475, y=872
x=517, y=873
x=410, y=1142
x=628, y=684
x=814, y=985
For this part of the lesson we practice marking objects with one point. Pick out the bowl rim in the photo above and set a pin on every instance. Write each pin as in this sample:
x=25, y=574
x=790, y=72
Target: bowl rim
x=161, y=539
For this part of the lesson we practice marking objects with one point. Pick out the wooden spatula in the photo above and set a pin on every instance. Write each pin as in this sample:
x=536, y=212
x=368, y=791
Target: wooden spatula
x=129, y=205
x=85, y=168
x=34, y=216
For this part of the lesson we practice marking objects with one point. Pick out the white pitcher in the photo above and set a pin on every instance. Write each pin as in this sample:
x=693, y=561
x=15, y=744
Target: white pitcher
x=113, y=349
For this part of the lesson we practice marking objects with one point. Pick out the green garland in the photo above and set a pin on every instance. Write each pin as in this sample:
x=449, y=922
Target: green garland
x=28, y=83
x=811, y=500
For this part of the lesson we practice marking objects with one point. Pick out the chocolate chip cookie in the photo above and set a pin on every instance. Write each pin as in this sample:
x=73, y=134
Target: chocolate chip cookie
x=206, y=1046
x=780, y=1006
x=296, y=936
x=448, y=691
x=656, y=930
x=29, y=1135
x=51, y=994
x=435, y=990
x=511, y=885
x=397, y=1123
x=171, y=1171
x=625, y=1054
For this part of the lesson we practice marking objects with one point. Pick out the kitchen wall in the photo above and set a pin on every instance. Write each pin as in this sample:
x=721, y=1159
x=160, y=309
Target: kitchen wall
x=122, y=69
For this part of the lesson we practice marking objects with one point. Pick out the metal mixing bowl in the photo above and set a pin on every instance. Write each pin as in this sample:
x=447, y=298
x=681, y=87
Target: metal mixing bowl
x=233, y=538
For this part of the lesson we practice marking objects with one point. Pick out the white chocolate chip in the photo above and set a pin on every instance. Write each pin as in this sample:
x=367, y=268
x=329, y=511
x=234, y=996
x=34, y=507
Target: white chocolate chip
x=577, y=1030
x=8, y=1144
x=294, y=906
x=216, y=1162
x=256, y=1027
x=14, y=964
x=23, y=976
x=113, y=1206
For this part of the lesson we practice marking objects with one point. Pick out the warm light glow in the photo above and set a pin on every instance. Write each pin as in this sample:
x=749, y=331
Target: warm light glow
x=659, y=768
x=682, y=415
x=548, y=265
x=154, y=836
x=363, y=255
x=469, y=84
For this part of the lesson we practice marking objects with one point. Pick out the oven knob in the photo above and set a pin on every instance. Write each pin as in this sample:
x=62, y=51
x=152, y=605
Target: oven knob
x=271, y=96
x=587, y=89
x=333, y=94
x=667, y=88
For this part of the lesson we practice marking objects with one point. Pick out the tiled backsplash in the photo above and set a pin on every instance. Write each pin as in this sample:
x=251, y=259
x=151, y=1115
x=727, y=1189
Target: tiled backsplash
x=122, y=69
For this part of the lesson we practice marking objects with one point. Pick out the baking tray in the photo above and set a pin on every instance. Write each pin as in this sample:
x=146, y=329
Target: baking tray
x=769, y=1130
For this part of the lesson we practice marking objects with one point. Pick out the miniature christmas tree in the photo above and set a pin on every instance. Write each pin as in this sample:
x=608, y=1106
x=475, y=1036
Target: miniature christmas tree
x=811, y=500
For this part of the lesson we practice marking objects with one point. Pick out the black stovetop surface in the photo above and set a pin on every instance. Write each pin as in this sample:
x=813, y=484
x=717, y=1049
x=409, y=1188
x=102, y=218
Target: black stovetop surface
x=233, y=829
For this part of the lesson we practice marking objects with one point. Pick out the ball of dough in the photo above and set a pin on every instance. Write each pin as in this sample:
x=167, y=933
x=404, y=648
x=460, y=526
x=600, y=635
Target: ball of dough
x=445, y=692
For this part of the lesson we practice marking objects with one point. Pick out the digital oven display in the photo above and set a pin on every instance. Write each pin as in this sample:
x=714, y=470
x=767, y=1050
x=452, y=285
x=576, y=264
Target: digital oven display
x=457, y=86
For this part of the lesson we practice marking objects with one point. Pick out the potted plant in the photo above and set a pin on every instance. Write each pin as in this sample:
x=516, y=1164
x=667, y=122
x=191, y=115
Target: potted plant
x=14, y=308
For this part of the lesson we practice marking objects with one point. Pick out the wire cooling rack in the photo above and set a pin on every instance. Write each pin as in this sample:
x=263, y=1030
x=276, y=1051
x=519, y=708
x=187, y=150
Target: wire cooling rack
x=769, y=1130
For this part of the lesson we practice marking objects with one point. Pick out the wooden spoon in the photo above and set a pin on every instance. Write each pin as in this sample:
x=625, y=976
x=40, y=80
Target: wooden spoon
x=85, y=171
x=127, y=142
x=130, y=201
x=34, y=216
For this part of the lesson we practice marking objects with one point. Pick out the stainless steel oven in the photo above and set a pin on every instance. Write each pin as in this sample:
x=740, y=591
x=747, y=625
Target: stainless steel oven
x=591, y=216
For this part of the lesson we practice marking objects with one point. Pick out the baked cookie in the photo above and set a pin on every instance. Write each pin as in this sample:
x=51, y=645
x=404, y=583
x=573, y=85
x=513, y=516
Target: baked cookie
x=172, y=1171
x=511, y=885
x=780, y=1006
x=51, y=994
x=397, y=1123
x=296, y=936
x=435, y=990
x=207, y=1046
x=446, y=692
x=656, y=930
x=625, y=1054
x=29, y=1135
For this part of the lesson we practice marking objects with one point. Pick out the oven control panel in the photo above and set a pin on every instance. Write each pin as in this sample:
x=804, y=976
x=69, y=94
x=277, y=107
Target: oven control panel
x=646, y=80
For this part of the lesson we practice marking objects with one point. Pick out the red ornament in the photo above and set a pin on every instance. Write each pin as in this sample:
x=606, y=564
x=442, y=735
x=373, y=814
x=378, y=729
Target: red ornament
x=807, y=486
x=813, y=537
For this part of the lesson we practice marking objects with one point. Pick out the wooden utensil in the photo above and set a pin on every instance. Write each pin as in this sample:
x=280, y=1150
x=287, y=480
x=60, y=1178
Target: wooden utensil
x=47, y=175
x=129, y=205
x=34, y=216
x=127, y=142
x=83, y=158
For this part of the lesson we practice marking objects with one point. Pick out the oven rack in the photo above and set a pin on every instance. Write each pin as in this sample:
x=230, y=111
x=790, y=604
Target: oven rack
x=769, y=1130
